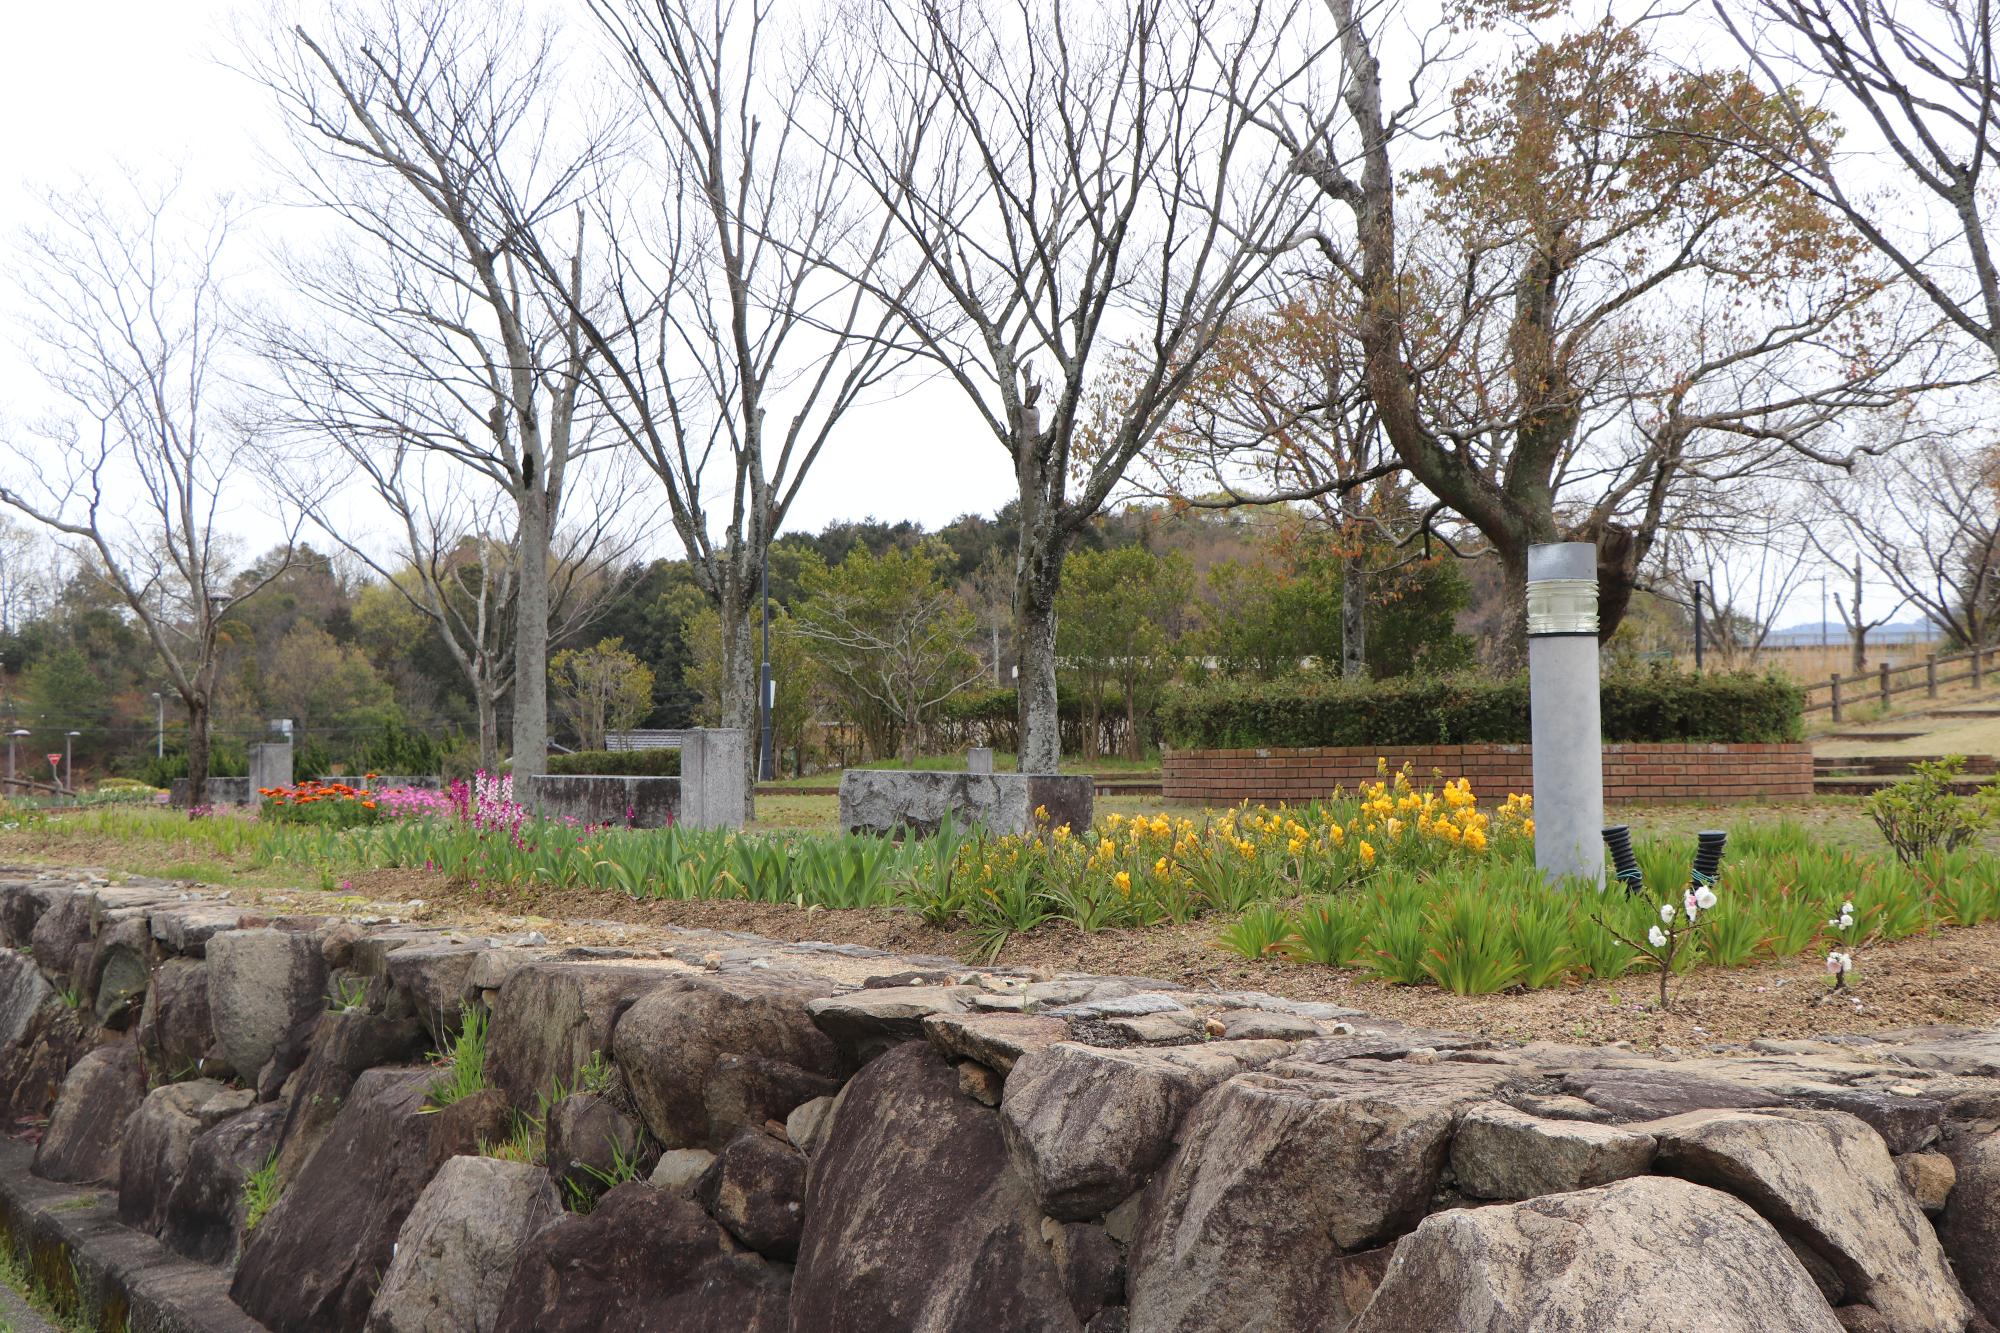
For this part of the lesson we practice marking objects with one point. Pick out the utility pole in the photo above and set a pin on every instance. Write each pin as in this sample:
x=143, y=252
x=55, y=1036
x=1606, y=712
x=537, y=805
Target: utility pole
x=160, y=736
x=1697, y=624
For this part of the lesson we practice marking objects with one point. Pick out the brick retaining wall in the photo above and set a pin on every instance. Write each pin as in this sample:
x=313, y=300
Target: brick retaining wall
x=1649, y=772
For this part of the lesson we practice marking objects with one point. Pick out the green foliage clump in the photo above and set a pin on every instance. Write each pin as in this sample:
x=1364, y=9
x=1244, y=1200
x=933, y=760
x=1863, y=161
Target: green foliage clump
x=463, y=1060
x=1922, y=816
x=1318, y=710
x=260, y=1192
x=661, y=763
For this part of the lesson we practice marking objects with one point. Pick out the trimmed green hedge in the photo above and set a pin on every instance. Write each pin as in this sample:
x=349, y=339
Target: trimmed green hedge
x=618, y=763
x=1304, y=712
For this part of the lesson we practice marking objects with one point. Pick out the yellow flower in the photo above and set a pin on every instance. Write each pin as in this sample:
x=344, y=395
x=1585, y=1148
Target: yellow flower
x=1041, y=814
x=1368, y=852
x=1475, y=840
x=1394, y=827
x=1123, y=881
x=1107, y=848
x=1160, y=867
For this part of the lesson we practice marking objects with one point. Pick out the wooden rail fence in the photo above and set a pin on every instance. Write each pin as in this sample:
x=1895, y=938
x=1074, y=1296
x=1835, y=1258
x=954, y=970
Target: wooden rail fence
x=1886, y=682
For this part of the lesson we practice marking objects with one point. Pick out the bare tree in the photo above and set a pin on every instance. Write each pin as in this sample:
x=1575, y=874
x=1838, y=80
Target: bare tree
x=727, y=351
x=139, y=469
x=1858, y=623
x=453, y=557
x=1928, y=517
x=1749, y=556
x=1924, y=82
x=1522, y=302
x=1281, y=416
x=1080, y=198
x=429, y=130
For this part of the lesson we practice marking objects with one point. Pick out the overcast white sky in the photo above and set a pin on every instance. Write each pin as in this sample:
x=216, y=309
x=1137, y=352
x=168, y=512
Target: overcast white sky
x=90, y=86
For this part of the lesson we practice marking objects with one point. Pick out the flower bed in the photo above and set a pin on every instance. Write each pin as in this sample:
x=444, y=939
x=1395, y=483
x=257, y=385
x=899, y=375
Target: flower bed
x=1417, y=885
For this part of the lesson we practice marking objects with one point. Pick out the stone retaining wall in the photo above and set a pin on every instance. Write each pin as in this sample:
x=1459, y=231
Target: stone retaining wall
x=734, y=1134
x=619, y=801
x=1636, y=772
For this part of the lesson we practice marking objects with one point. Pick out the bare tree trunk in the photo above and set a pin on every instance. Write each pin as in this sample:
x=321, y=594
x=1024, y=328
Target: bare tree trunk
x=1135, y=748
x=1035, y=650
x=531, y=637
x=197, y=751
x=1861, y=626
x=1354, y=617
x=913, y=719
x=489, y=728
x=1508, y=653
x=739, y=681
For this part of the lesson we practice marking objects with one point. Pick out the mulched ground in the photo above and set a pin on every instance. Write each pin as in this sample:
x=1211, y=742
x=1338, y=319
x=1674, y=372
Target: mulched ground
x=1950, y=978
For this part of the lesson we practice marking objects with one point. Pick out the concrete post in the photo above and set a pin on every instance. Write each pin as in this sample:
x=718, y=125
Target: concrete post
x=270, y=766
x=979, y=759
x=712, y=778
x=1563, y=711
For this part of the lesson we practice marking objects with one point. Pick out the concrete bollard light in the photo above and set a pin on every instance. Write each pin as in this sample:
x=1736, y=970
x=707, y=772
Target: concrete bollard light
x=1563, y=711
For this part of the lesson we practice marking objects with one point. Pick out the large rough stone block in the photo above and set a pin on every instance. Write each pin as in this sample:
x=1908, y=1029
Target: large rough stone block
x=1087, y=1126
x=917, y=1218
x=645, y=1260
x=176, y=1032
x=1635, y=1257
x=87, y=1130
x=1970, y=1223
x=344, y=1046
x=1502, y=1153
x=756, y=1188
x=1281, y=1171
x=752, y=1035
x=159, y=1142
x=459, y=1245
x=262, y=984
x=1826, y=1178
x=549, y=1018
x=314, y=1261
x=207, y=1213
x=885, y=800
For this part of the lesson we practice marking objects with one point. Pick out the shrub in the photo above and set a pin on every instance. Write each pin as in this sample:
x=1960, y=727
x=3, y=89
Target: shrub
x=1313, y=711
x=618, y=763
x=1922, y=816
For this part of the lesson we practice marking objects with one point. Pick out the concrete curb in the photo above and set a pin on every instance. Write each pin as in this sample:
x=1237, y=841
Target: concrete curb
x=70, y=1237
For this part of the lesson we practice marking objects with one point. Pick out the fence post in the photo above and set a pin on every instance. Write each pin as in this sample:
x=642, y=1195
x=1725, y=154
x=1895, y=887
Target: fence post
x=1836, y=696
x=1885, y=686
x=1930, y=675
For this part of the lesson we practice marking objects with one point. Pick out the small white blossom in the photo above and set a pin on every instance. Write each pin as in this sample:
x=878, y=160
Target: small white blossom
x=1658, y=937
x=1847, y=908
x=1667, y=913
x=1838, y=963
x=1704, y=897
x=1693, y=907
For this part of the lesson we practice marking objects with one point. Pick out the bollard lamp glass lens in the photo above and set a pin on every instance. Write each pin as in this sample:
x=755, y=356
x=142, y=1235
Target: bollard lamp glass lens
x=1562, y=606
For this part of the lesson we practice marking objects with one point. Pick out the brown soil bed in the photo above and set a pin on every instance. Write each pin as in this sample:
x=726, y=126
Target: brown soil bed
x=1950, y=978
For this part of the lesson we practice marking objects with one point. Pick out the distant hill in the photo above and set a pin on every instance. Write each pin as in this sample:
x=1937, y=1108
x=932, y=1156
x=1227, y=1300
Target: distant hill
x=1895, y=632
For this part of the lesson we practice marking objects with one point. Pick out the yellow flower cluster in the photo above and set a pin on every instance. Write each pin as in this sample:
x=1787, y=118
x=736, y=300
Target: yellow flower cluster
x=1148, y=867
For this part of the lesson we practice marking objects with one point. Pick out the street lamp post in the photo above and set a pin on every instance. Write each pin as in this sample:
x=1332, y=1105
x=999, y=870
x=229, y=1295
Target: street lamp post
x=13, y=742
x=69, y=760
x=160, y=736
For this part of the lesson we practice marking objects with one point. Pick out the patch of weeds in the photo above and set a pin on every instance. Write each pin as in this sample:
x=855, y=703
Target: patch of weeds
x=260, y=1192
x=54, y=1299
x=347, y=995
x=597, y=1074
x=580, y=1196
x=463, y=1060
x=525, y=1143
x=71, y=996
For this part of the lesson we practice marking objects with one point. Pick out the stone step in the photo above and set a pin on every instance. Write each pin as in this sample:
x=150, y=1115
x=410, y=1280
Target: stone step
x=123, y=1278
x=1868, y=783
